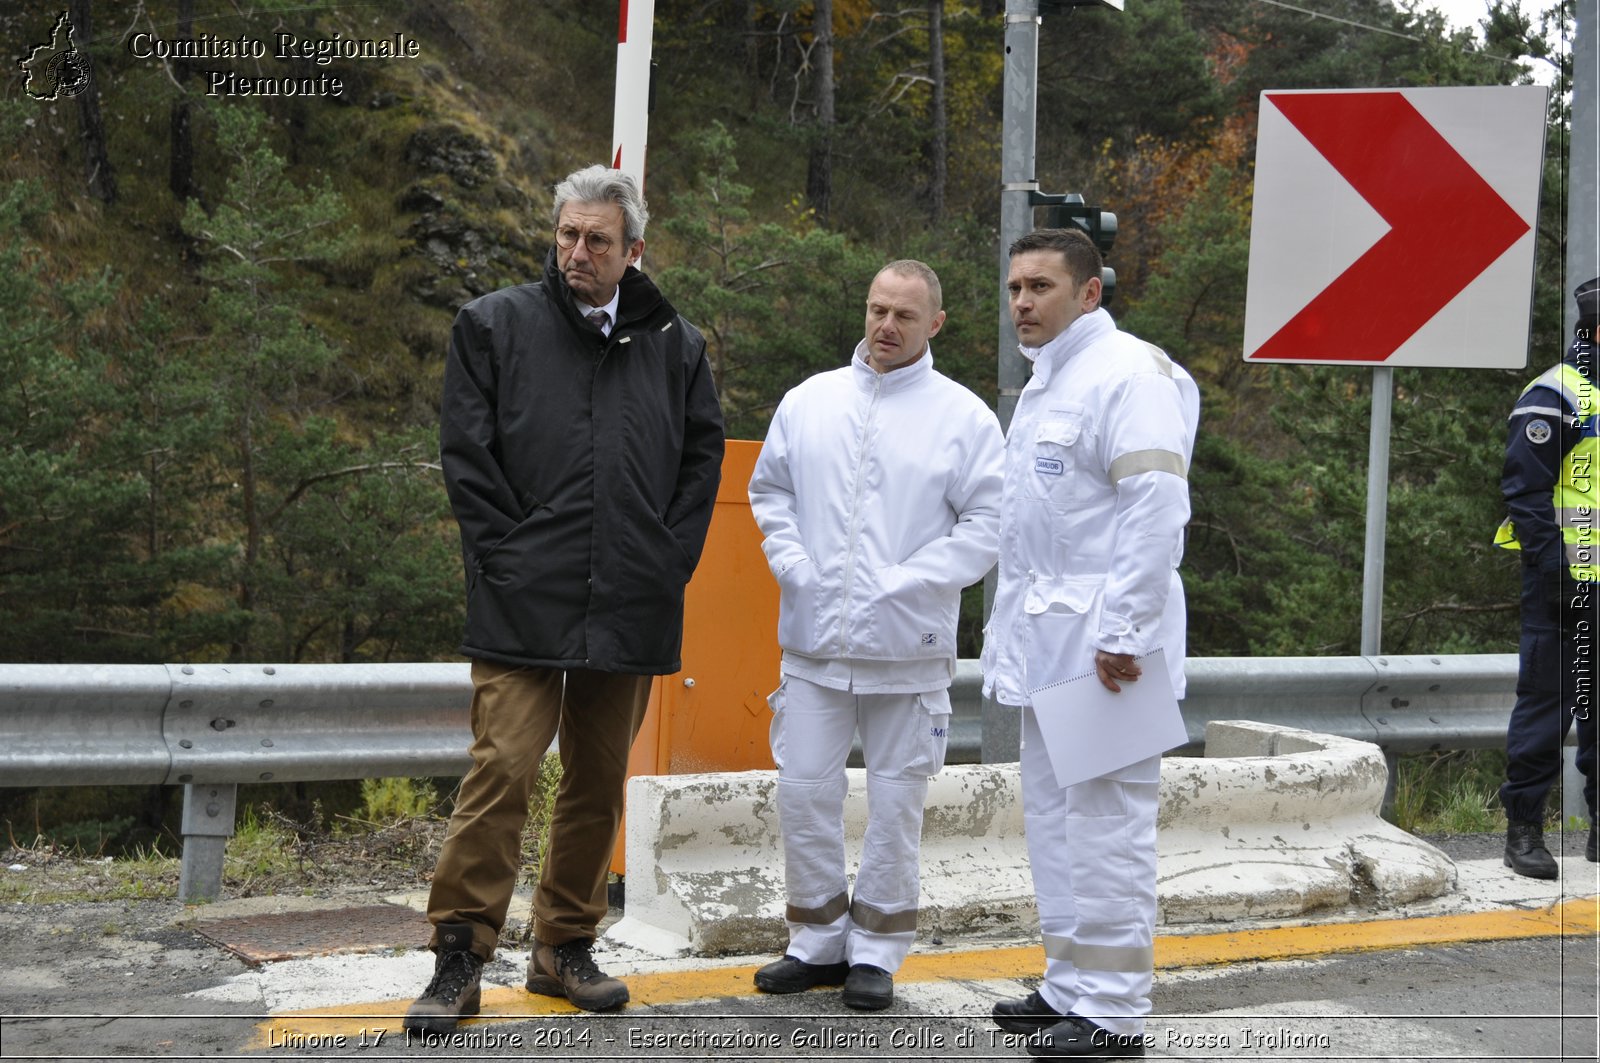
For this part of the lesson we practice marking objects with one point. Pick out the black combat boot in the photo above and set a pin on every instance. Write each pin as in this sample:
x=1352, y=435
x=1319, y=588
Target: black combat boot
x=1525, y=851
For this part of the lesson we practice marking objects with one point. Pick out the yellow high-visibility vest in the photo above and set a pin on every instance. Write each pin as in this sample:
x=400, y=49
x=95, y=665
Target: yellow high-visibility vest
x=1577, y=494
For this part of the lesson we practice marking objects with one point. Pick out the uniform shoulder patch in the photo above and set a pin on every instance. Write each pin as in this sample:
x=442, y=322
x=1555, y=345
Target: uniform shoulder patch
x=1538, y=431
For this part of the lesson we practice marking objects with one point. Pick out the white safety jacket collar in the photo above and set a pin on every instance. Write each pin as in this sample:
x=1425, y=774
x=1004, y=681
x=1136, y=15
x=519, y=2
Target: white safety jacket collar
x=1074, y=338
x=869, y=379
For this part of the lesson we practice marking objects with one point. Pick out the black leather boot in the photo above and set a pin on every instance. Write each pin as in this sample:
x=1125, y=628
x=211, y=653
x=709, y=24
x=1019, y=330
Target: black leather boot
x=1525, y=851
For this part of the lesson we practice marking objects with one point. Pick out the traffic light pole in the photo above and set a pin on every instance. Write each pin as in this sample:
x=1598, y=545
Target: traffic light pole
x=1002, y=727
x=1017, y=180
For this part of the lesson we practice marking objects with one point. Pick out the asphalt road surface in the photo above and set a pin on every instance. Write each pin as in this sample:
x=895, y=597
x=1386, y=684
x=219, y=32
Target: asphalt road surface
x=149, y=980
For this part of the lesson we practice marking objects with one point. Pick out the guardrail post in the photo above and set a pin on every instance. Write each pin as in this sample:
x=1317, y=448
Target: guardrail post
x=1573, y=806
x=208, y=812
x=1391, y=764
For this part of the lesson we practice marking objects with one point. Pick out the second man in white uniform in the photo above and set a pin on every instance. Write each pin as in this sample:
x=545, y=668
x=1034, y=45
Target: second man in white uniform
x=1096, y=499
x=878, y=491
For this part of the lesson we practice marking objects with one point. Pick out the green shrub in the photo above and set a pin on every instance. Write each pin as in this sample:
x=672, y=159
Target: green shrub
x=392, y=800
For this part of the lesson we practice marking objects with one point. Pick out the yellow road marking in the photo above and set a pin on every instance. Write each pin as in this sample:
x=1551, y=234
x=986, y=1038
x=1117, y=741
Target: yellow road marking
x=1574, y=918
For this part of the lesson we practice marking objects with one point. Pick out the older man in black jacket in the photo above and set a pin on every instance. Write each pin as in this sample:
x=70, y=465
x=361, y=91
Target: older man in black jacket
x=582, y=445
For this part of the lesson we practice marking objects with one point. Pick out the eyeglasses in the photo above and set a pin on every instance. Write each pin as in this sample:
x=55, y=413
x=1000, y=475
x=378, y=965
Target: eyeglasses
x=598, y=243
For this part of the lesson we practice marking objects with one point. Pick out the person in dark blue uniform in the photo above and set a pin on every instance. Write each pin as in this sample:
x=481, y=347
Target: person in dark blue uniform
x=1550, y=488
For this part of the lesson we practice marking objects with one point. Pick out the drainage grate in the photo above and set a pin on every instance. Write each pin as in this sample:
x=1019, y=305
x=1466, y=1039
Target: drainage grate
x=262, y=939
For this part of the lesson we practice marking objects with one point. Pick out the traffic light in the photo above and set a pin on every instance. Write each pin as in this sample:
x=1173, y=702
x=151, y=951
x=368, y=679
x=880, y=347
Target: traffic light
x=1070, y=211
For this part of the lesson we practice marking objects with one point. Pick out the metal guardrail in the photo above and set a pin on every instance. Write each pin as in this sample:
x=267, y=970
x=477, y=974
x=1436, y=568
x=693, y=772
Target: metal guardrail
x=1405, y=704
x=103, y=725
x=210, y=728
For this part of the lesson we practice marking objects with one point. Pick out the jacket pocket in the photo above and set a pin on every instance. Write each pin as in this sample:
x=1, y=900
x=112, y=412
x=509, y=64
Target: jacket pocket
x=775, y=737
x=909, y=618
x=797, y=608
x=933, y=722
x=510, y=556
x=1056, y=457
x=674, y=554
x=1061, y=616
x=1073, y=595
x=525, y=591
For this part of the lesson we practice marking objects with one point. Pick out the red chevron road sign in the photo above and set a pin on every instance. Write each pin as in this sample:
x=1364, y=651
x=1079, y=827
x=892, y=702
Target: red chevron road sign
x=1395, y=226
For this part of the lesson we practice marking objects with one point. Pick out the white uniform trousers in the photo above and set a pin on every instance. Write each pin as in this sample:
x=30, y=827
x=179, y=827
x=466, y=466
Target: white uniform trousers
x=1092, y=848
x=903, y=740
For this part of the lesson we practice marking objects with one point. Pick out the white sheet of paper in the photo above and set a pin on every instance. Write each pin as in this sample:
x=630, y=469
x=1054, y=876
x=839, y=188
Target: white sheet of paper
x=1089, y=731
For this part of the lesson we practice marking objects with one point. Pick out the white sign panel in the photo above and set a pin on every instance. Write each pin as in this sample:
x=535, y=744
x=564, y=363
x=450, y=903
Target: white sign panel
x=1395, y=226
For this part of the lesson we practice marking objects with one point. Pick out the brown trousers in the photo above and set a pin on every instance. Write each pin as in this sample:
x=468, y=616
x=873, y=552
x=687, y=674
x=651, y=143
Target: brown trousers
x=515, y=714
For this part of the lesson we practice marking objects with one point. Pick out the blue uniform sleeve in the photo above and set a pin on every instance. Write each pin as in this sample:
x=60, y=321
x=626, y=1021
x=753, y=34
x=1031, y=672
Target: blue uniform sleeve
x=1538, y=437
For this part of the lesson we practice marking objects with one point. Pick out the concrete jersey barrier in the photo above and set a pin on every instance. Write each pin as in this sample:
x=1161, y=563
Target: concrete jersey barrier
x=1273, y=822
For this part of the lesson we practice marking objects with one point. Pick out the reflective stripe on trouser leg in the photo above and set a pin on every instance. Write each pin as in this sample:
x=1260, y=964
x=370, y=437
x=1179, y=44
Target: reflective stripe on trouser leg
x=812, y=732
x=1111, y=837
x=811, y=815
x=884, y=906
x=1101, y=850
x=903, y=739
x=1045, y=828
x=811, y=735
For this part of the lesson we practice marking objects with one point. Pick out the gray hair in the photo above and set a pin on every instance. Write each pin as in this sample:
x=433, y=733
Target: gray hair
x=602, y=184
x=910, y=267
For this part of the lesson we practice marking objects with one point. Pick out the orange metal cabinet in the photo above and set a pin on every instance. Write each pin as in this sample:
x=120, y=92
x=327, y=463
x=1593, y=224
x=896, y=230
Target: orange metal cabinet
x=713, y=715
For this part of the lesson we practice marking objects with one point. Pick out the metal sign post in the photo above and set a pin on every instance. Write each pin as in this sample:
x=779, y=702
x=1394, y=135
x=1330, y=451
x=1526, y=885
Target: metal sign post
x=1377, y=511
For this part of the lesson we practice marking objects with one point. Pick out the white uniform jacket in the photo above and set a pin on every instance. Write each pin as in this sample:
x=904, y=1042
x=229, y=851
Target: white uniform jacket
x=879, y=496
x=1096, y=499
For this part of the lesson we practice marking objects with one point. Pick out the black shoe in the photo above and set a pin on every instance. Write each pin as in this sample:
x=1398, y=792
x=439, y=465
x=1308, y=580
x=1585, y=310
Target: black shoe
x=1028, y=1014
x=791, y=975
x=1525, y=851
x=1077, y=1038
x=1589, y=852
x=868, y=988
x=454, y=992
x=568, y=970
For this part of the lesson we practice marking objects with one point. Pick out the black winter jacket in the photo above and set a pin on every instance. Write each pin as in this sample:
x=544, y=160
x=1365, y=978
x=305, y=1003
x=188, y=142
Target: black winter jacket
x=582, y=470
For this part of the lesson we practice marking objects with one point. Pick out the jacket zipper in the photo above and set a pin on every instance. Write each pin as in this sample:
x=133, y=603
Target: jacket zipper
x=855, y=516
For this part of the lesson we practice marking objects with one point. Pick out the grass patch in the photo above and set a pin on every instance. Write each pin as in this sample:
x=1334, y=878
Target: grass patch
x=1457, y=792
x=47, y=874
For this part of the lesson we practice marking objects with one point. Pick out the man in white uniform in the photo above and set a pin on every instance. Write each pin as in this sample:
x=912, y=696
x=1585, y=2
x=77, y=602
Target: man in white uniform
x=878, y=491
x=1096, y=499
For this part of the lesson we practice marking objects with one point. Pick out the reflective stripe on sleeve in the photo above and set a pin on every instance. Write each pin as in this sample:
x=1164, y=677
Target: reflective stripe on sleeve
x=1138, y=461
x=1542, y=411
x=1163, y=363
